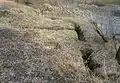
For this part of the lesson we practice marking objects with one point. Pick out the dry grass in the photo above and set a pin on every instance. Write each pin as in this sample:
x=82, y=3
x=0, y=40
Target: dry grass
x=46, y=47
x=69, y=64
x=70, y=68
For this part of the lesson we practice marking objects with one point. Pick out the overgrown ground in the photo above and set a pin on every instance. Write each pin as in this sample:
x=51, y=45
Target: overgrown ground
x=52, y=44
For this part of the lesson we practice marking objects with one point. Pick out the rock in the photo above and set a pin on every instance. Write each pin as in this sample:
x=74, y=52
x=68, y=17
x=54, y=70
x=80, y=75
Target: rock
x=100, y=59
x=38, y=54
x=31, y=54
x=103, y=64
x=90, y=34
x=44, y=45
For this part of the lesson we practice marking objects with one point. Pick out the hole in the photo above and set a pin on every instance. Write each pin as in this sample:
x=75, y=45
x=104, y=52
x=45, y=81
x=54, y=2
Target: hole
x=91, y=64
x=79, y=32
x=86, y=52
x=118, y=56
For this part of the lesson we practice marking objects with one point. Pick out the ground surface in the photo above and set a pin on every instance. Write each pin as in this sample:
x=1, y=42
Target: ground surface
x=49, y=43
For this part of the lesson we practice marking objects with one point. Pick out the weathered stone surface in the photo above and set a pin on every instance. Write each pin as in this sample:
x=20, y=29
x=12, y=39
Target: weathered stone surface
x=90, y=34
x=100, y=59
x=29, y=55
x=41, y=45
x=39, y=54
x=104, y=65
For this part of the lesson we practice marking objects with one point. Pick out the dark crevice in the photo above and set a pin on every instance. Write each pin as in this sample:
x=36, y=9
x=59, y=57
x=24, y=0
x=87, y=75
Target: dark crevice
x=116, y=13
x=27, y=2
x=3, y=13
x=118, y=56
x=102, y=36
x=91, y=64
x=46, y=28
x=86, y=52
x=79, y=32
x=99, y=4
x=95, y=27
